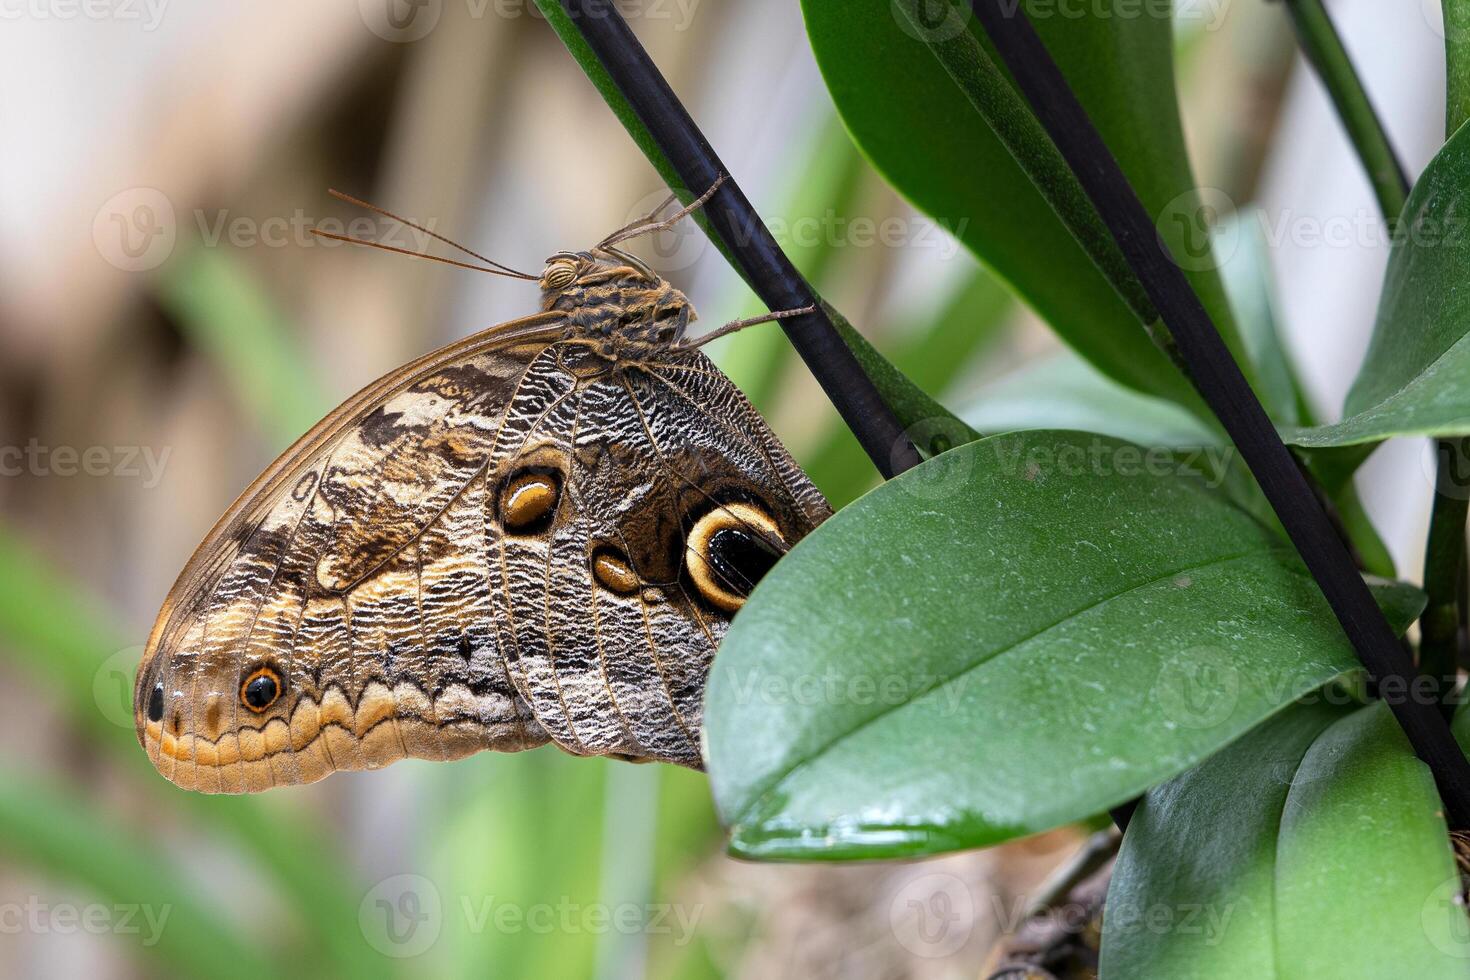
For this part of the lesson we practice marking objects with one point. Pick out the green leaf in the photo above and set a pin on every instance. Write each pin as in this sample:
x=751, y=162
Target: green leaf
x=924, y=99
x=1313, y=847
x=1247, y=277
x=894, y=388
x=1457, y=62
x=1018, y=633
x=1065, y=392
x=1413, y=379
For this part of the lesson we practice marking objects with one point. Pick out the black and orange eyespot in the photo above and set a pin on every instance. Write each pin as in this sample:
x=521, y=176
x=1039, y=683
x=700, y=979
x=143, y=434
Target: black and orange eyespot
x=155, y=703
x=730, y=549
x=262, y=688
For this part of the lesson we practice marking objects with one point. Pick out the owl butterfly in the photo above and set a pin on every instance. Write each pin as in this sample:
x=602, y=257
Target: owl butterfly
x=538, y=534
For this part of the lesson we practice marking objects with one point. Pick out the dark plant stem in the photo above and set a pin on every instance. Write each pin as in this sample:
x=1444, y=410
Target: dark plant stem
x=1444, y=561
x=1226, y=391
x=731, y=217
x=1323, y=47
x=1439, y=627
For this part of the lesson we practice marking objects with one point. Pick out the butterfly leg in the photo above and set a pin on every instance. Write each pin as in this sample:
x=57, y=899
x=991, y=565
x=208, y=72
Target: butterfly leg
x=735, y=325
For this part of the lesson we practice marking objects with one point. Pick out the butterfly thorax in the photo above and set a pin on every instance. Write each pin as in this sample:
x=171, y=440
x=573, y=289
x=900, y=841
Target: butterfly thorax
x=615, y=301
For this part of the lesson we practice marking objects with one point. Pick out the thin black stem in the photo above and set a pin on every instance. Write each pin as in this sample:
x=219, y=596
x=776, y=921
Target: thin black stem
x=1225, y=390
x=731, y=217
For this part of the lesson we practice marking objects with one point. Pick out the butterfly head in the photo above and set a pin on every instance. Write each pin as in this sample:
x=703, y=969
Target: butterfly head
x=613, y=297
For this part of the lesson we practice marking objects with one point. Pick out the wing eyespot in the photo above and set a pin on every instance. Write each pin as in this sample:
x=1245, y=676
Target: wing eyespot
x=261, y=689
x=611, y=570
x=528, y=500
x=730, y=549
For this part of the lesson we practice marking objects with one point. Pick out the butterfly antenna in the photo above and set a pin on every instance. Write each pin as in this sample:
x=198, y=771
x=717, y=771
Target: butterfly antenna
x=499, y=268
x=418, y=255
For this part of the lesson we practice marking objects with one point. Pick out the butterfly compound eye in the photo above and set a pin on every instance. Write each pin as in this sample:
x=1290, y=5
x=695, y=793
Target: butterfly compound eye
x=261, y=689
x=559, y=274
x=730, y=549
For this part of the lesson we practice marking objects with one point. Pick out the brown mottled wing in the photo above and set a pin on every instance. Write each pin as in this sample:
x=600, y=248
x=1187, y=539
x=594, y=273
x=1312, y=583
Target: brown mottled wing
x=650, y=447
x=370, y=571
x=358, y=568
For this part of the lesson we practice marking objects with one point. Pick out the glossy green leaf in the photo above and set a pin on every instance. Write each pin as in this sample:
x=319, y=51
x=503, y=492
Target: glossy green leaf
x=1314, y=847
x=926, y=102
x=1457, y=62
x=1065, y=392
x=1415, y=379
x=1018, y=633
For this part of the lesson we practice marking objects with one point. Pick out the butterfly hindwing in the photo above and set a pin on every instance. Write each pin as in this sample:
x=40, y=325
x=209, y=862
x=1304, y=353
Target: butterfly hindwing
x=539, y=534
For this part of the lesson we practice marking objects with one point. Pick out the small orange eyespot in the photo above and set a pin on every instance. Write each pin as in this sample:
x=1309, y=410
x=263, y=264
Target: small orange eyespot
x=612, y=570
x=528, y=501
x=261, y=689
